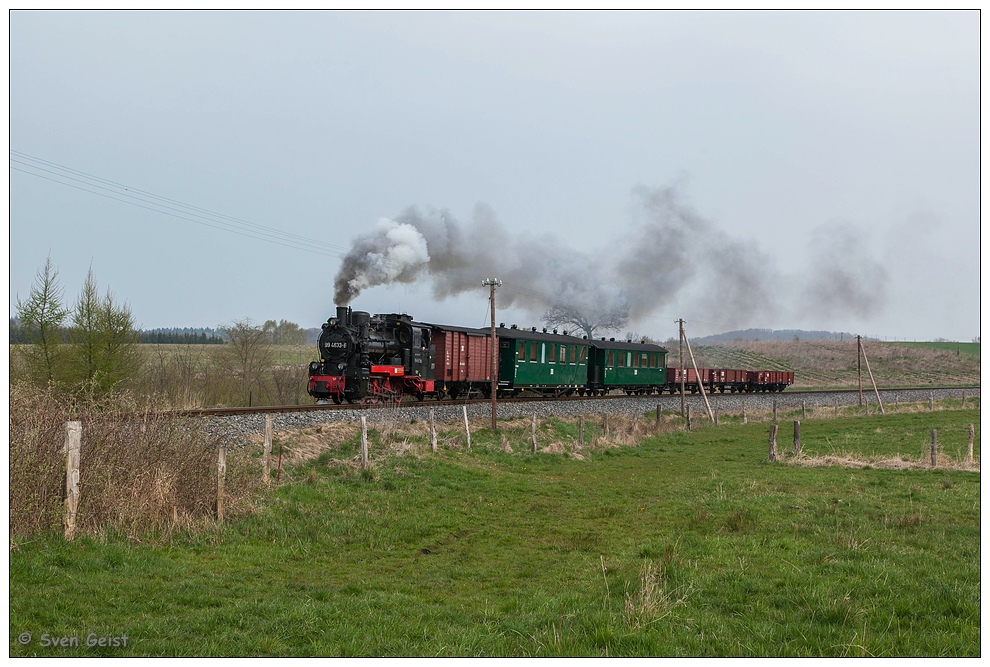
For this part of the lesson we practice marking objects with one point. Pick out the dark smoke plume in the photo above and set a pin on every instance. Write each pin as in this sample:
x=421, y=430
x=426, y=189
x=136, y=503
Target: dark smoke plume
x=544, y=270
x=670, y=255
x=674, y=247
x=842, y=277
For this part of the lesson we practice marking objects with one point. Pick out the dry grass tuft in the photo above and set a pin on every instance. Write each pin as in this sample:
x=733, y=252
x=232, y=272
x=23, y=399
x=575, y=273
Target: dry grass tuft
x=301, y=445
x=139, y=470
x=653, y=600
x=895, y=463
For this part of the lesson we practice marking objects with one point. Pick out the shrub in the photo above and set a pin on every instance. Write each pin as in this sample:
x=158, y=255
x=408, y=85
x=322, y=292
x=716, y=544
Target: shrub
x=139, y=470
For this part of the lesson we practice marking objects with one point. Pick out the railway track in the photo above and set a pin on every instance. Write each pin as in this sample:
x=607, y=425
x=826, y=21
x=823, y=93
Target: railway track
x=259, y=410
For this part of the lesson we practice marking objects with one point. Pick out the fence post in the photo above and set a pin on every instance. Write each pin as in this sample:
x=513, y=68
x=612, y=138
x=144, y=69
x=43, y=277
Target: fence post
x=931, y=402
x=804, y=411
x=266, y=463
x=745, y=421
x=716, y=414
x=659, y=414
x=773, y=442
x=534, y=432
x=797, y=437
x=433, y=432
x=934, y=448
x=581, y=431
x=836, y=406
x=73, y=444
x=221, y=479
x=964, y=399
x=604, y=424
x=364, y=442
x=969, y=450
x=635, y=421
x=687, y=415
x=775, y=409
x=467, y=427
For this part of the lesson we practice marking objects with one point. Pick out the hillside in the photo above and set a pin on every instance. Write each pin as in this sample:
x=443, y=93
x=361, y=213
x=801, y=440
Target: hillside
x=770, y=334
x=832, y=363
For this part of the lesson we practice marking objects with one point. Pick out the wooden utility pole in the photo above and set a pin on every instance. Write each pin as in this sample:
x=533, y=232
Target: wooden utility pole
x=697, y=375
x=680, y=359
x=859, y=366
x=868, y=370
x=493, y=283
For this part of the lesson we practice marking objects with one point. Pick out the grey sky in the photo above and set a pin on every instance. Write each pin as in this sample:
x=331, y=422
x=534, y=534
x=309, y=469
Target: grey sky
x=828, y=149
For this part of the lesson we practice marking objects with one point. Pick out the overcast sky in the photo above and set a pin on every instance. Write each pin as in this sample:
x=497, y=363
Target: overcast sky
x=832, y=158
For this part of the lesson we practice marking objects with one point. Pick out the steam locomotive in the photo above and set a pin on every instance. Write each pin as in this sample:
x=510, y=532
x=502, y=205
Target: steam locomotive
x=380, y=356
x=369, y=358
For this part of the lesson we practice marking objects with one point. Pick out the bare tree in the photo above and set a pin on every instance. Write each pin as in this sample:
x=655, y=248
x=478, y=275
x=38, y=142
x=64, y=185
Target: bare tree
x=248, y=352
x=587, y=321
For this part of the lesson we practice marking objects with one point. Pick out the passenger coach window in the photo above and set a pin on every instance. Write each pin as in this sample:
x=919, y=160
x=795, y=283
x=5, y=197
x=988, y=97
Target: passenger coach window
x=553, y=354
x=522, y=351
x=532, y=350
x=622, y=359
x=584, y=351
x=643, y=359
x=611, y=358
x=573, y=355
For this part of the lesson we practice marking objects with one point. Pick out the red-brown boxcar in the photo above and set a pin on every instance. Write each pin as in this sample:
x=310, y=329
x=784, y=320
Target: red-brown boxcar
x=463, y=360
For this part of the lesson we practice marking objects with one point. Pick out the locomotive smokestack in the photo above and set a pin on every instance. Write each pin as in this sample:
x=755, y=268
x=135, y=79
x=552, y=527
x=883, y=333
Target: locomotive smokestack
x=342, y=314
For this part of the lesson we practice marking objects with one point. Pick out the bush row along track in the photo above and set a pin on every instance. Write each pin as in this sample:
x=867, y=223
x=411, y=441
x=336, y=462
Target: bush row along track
x=239, y=423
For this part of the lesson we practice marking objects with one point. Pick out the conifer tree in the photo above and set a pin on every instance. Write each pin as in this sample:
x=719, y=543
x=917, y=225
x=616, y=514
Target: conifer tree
x=42, y=317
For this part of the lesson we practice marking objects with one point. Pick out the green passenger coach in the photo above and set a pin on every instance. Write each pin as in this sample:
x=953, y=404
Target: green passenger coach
x=550, y=364
x=636, y=368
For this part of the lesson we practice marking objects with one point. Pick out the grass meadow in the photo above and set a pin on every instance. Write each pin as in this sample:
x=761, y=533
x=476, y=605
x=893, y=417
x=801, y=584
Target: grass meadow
x=659, y=543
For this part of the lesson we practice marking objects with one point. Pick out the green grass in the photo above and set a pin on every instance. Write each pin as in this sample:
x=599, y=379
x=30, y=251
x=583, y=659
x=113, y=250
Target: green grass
x=687, y=544
x=972, y=349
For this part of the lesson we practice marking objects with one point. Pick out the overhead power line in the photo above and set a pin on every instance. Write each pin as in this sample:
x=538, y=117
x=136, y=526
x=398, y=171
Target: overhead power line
x=150, y=201
x=80, y=180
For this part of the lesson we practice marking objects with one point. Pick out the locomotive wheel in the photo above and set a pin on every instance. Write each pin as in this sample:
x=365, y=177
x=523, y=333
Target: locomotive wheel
x=336, y=399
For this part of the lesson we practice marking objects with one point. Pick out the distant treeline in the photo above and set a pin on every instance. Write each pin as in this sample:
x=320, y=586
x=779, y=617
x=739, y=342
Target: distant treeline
x=173, y=336
x=184, y=336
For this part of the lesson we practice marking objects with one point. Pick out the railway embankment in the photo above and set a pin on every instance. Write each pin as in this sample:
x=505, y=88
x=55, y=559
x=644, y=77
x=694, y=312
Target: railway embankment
x=238, y=428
